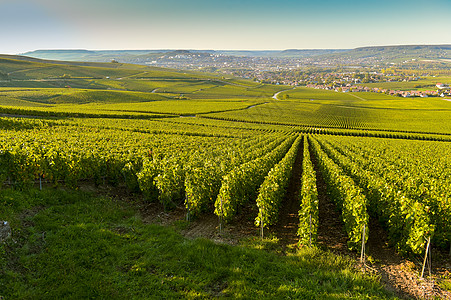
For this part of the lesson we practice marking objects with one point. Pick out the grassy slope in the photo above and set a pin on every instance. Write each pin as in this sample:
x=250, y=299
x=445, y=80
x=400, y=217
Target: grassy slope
x=25, y=68
x=88, y=83
x=76, y=245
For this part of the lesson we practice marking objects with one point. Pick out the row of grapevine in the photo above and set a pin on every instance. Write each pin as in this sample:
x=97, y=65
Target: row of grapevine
x=421, y=170
x=166, y=167
x=341, y=131
x=308, y=212
x=409, y=221
x=273, y=189
x=66, y=153
x=347, y=196
x=242, y=183
x=203, y=177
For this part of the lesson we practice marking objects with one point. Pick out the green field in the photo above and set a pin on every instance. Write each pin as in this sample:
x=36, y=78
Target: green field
x=103, y=149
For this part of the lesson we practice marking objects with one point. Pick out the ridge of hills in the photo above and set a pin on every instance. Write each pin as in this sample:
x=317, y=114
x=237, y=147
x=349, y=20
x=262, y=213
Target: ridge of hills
x=127, y=55
x=388, y=54
x=384, y=54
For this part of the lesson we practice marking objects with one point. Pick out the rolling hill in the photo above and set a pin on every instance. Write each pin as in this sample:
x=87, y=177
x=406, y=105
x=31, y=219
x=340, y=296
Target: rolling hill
x=394, y=54
x=380, y=53
x=143, y=56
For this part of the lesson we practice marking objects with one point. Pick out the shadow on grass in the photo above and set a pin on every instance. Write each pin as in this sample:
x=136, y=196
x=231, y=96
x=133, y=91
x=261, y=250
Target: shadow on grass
x=76, y=245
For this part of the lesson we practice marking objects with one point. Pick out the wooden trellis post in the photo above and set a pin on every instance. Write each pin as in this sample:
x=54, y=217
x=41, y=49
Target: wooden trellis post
x=310, y=231
x=220, y=216
x=426, y=258
x=188, y=213
x=362, y=252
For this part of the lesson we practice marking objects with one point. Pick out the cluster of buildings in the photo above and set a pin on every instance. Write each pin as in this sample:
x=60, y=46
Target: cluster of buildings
x=443, y=90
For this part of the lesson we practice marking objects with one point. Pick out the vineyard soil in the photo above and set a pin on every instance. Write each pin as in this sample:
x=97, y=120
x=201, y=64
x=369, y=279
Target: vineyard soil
x=286, y=228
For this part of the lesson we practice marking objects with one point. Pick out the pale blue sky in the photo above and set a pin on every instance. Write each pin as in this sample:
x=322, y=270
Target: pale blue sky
x=209, y=24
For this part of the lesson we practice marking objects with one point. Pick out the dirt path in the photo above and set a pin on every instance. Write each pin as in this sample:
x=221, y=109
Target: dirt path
x=277, y=94
x=286, y=228
x=358, y=97
x=331, y=233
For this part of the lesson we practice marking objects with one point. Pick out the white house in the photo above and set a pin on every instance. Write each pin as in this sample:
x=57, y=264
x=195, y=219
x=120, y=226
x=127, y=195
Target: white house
x=442, y=86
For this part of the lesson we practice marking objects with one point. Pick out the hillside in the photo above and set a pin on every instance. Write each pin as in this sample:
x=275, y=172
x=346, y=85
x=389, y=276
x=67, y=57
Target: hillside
x=23, y=71
x=382, y=53
x=394, y=54
x=143, y=56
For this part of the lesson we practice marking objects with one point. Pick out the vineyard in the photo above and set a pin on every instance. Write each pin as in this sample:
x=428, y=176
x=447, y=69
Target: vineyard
x=225, y=147
x=223, y=168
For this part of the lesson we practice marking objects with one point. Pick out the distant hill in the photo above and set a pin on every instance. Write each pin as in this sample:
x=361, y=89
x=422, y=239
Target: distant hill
x=141, y=56
x=301, y=53
x=84, y=55
x=394, y=54
x=362, y=55
x=289, y=53
x=125, y=56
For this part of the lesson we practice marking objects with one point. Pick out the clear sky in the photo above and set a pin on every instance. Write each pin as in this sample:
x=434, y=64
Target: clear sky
x=213, y=24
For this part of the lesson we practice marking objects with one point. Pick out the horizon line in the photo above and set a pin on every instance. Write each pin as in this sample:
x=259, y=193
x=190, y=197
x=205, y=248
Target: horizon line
x=239, y=49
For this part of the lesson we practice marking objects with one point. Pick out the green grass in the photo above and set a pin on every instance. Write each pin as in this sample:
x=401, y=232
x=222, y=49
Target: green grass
x=446, y=284
x=76, y=245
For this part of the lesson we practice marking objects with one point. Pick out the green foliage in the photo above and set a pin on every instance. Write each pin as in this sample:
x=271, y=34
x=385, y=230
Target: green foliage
x=273, y=189
x=203, y=175
x=241, y=185
x=202, y=184
x=170, y=180
x=308, y=212
x=354, y=112
x=411, y=212
x=145, y=178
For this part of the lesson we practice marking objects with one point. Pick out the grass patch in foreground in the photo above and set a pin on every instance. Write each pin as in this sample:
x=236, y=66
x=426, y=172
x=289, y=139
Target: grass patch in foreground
x=76, y=245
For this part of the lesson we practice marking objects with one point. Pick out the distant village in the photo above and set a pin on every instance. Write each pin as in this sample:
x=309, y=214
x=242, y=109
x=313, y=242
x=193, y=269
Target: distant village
x=309, y=71
x=443, y=90
x=355, y=82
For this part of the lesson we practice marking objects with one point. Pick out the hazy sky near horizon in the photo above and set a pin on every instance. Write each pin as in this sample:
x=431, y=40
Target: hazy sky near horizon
x=27, y=25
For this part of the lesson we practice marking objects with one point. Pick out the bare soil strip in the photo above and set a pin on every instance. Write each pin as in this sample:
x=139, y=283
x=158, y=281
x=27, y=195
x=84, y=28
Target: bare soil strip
x=331, y=233
x=286, y=228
